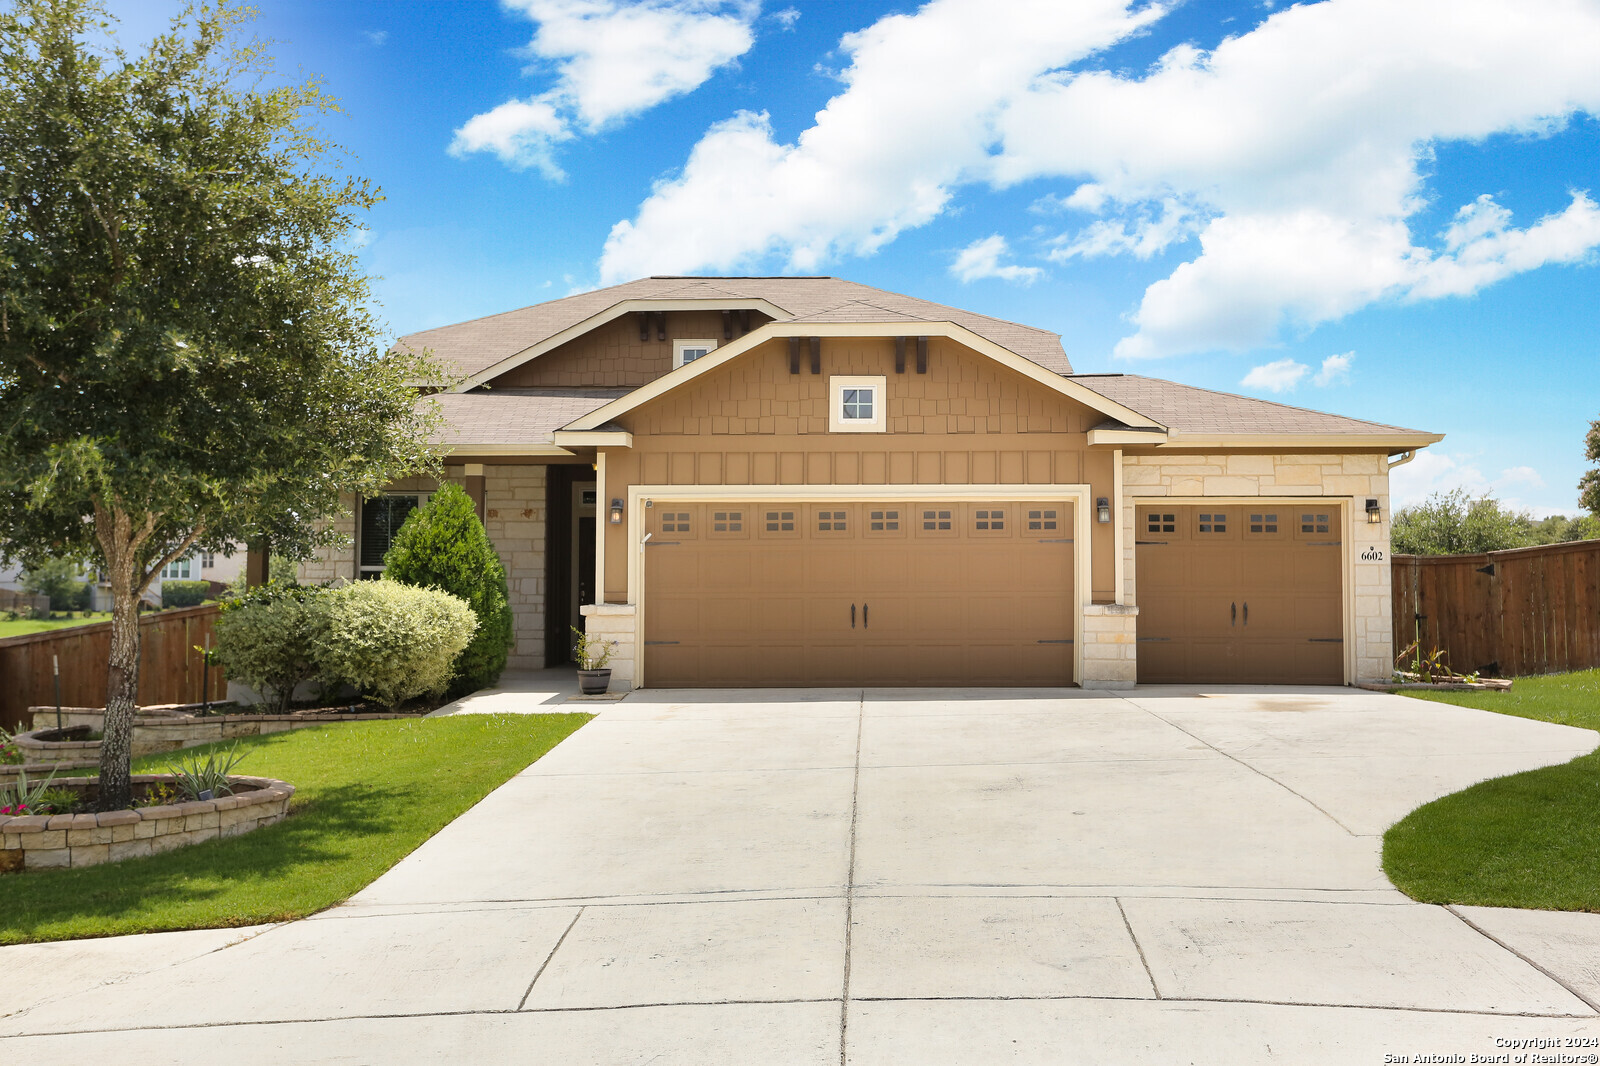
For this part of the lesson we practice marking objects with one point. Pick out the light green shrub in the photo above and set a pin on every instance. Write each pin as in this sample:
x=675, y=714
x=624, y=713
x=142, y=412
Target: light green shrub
x=442, y=545
x=265, y=638
x=177, y=593
x=394, y=642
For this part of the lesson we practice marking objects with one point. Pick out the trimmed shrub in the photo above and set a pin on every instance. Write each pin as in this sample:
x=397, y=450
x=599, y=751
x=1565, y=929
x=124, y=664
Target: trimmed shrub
x=443, y=546
x=394, y=642
x=265, y=638
x=82, y=597
x=184, y=593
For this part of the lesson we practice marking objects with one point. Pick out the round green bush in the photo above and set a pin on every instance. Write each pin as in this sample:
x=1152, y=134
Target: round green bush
x=443, y=546
x=394, y=642
x=265, y=639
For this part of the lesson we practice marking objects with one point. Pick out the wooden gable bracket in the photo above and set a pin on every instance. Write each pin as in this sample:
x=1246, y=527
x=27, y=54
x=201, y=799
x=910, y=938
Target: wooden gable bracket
x=661, y=325
x=899, y=355
x=744, y=320
x=922, y=355
x=727, y=325
x=644, y=326
x=816, y=355
x=794, y=355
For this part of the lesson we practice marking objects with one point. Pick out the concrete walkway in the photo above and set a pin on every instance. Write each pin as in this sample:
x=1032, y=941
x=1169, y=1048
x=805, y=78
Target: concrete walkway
x=889, y=877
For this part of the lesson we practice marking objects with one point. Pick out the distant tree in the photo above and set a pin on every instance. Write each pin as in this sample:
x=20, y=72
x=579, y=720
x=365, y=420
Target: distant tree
x=186, y=354
x=1454, y=523
x=1589, y=483
x=58, y=579
x=443, y=545
x=1559, y=529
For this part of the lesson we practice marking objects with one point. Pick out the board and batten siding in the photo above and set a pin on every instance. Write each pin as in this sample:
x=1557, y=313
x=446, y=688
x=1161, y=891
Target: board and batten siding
x=613, y=356
x=967, y=421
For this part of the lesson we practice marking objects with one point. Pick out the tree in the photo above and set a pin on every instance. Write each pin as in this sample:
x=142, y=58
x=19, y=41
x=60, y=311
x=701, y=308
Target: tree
x=1559, y=529
x=1454, y=523
x=59, y=579
x=1589, y=483
x=443, y=545
x=186, y=357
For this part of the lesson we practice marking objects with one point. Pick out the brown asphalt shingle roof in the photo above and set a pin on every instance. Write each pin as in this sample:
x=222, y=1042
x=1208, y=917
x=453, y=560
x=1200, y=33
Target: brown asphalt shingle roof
x=1202, y=412
x=471, y=347
x=515, y=416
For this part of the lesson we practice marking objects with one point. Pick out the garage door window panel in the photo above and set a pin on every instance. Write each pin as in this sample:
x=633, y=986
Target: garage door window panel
x=784, y=523
x=727, y=524
x=936, y=522
x=884, y=522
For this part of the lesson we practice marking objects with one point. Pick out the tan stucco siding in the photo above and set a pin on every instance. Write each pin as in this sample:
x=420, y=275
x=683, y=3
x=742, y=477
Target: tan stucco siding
x=967, y=421
x=1351, y=478
x=614, y=356
x=514, y=516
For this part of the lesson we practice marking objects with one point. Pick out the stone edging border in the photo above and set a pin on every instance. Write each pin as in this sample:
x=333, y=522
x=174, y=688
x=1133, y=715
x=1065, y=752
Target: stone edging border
x=59, y=840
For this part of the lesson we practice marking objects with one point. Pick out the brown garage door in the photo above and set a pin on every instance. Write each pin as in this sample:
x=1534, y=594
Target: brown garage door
x=935, y=593
x=1240, y=594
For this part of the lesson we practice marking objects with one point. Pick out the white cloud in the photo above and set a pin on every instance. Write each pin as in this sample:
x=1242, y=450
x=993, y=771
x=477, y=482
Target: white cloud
x=1280, y=376
x=787, y=17
x=1439, y=471
x=376, y=38
x=916, y=119
x=981, y=259
x=614, y=60
x=1294, y=151
x=1335, y=370
x=1521, y=475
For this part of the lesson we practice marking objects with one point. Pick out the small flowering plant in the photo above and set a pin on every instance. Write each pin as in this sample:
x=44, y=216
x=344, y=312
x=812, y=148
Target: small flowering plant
x=10, y=750
x=16, y=810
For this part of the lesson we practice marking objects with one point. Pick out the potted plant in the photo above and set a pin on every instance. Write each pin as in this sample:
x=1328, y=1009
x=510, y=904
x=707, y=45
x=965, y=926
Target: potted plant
x=594, y=676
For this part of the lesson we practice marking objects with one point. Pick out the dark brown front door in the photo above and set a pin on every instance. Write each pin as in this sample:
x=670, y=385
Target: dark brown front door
x=894, y=593
x=1242, y=594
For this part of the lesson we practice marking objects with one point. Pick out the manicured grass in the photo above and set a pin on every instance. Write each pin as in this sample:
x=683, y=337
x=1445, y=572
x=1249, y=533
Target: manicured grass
x=23, y=626
x=1527, y=840
x=368, y=793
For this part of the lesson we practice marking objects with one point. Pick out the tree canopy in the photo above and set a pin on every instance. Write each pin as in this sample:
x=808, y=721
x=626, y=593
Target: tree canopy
x=187, y=354
x=1457, y=523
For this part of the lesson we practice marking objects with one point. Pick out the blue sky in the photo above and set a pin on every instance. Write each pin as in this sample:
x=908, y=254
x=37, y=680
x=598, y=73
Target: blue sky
x=1384, y=208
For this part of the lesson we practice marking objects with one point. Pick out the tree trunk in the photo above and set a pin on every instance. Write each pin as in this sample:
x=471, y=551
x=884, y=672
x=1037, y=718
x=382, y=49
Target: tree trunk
x=122, y=677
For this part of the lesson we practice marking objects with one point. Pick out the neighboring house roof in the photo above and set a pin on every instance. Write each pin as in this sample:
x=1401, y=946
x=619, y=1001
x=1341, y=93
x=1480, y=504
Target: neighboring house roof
x=513, y=418
x=470, y=348
x=1187, y=411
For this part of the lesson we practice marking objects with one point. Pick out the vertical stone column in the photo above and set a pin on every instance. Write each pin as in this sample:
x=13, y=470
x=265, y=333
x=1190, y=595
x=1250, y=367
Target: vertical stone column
x=616, y=622
x=1110, y=645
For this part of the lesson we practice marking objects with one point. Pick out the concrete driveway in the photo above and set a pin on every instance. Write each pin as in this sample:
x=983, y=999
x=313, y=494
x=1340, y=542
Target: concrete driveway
x=1158, y=876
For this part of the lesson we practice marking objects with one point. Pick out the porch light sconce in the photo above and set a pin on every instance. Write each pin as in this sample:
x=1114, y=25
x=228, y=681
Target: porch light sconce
x=616, y=512
x=1374, y=516
x=1102, y=508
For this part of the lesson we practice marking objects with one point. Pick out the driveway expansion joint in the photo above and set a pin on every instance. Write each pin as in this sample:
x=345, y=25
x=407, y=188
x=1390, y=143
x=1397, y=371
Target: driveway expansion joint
x=1476, y=928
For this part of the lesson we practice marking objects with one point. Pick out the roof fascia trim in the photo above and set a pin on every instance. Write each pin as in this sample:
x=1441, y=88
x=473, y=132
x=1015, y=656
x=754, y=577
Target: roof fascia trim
x=541, y=448
x=949, y=330
x=1121, y=436
x=615, y=311
x=593, y=438
x=1400, y=440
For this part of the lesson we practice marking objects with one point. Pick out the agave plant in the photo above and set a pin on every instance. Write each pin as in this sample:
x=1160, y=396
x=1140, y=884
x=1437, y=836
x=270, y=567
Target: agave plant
x=194, y=777
x=21, y=798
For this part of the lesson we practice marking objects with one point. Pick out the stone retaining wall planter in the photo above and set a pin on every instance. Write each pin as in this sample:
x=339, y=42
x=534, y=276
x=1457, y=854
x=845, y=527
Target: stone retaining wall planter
x=159, y=729
x=38, y=771
x=72, y=840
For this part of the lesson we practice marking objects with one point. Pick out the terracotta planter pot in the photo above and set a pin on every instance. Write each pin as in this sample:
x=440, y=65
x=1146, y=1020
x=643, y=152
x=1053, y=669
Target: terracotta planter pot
x=594, y=682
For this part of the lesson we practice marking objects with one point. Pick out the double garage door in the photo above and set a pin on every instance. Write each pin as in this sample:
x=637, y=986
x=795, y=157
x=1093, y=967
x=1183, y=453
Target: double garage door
x=859, y=593
x=1242, y=594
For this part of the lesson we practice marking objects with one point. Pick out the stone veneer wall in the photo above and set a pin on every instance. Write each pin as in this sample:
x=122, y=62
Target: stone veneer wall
x=616, y=622
x=1110, y=645
x=1351, y=478
x=514, y=516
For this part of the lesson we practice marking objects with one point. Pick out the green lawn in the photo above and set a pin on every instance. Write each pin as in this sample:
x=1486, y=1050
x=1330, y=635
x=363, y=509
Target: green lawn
x=1528, y=840
x=22, y=626
x=368, y=793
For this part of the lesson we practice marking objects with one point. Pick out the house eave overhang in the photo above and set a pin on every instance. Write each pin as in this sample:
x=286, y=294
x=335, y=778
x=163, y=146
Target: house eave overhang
x=949, y=330
x=593, y=438
x=1390, y=442
x=615, y=311
x=531, y=449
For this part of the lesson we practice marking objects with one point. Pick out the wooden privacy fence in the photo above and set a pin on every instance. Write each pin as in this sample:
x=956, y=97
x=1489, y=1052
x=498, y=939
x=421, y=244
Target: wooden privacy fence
x=22, y=602
x=1507, y=613
x=170, y=670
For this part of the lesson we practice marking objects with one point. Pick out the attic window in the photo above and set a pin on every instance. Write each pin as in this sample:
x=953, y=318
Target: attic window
x=856, y=404
x=689, y=350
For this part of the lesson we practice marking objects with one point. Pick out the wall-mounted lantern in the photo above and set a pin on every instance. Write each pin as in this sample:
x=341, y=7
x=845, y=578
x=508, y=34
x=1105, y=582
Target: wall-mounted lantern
x=1374, y=516
x=1102, y=508
x=616, y=512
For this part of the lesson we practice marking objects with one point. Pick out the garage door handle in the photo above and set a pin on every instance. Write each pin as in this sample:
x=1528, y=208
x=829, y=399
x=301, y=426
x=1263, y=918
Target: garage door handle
x=852, y=616
x=863, y=616
x=1233, y=614
x=1247, y=612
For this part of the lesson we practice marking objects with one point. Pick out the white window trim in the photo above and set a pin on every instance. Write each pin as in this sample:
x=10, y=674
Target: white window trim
x=678, y=346
x=422, y=501
x=878, y=423
x=168, y=572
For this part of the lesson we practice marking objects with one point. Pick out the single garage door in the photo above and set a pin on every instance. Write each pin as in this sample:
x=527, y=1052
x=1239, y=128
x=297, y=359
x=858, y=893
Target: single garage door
x=1240, y=594
x=932, y=593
